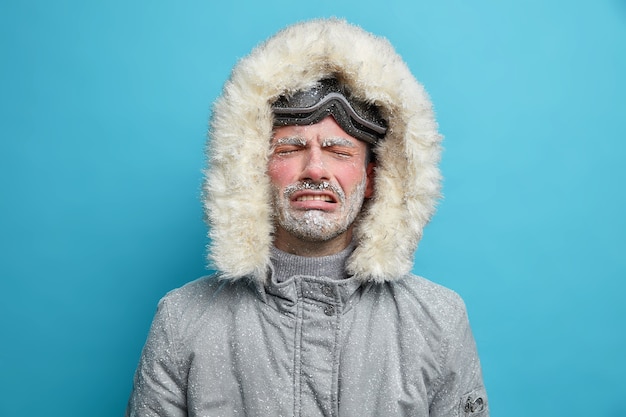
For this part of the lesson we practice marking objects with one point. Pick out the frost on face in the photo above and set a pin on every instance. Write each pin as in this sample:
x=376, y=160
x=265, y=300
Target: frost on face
x=318, y=225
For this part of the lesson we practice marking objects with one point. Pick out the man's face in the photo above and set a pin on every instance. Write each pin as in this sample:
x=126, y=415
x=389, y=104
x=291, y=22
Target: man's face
x=319, y=180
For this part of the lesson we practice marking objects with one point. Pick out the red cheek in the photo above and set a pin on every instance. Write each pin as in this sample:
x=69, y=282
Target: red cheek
x=280, y=171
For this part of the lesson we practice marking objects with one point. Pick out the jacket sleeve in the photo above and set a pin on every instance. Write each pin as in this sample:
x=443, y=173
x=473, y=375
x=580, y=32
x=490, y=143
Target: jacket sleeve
x=159, y=386
x=460, y=391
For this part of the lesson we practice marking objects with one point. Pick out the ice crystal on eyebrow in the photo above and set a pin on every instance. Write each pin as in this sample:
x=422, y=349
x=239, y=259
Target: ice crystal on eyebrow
x=292, y=140
x=337, y=142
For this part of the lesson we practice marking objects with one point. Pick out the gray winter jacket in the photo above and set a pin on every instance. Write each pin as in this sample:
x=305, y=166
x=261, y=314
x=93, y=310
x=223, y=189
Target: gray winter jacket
x=309, y=347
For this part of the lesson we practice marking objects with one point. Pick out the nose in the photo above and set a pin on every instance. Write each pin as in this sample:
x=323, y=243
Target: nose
x=314, y=166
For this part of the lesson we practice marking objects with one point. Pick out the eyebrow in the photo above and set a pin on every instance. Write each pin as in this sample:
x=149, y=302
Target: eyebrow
x=291, y=140
x=326, y=143
x=338, y=141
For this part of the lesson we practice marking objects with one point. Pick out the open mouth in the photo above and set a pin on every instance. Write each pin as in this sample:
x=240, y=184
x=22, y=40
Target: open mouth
x=316, y=197
x=307, y=195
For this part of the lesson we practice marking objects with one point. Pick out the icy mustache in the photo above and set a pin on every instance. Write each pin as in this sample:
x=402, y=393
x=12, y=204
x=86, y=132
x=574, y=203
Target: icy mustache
x=309, y=185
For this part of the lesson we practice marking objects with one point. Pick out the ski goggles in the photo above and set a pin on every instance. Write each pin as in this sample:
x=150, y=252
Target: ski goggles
x=357, y=118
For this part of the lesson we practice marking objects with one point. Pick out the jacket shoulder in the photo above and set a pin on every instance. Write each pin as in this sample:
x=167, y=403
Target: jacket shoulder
x=204, y=295
x=429, y=293
x=429, y=302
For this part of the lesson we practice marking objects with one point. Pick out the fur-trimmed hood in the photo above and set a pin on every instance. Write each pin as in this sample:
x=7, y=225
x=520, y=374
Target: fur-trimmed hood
x=237, y=188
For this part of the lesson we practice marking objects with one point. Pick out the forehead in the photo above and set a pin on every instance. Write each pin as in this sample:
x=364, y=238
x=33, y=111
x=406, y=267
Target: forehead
x=327, y=132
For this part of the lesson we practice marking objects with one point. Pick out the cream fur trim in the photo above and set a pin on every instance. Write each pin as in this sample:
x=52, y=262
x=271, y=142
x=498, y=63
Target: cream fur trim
x=407, y=183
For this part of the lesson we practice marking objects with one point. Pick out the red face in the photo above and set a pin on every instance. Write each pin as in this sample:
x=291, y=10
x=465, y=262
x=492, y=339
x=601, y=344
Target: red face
x=319, y=178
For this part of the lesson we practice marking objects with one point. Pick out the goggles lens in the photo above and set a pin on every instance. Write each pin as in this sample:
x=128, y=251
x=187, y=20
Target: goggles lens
x=359, y=119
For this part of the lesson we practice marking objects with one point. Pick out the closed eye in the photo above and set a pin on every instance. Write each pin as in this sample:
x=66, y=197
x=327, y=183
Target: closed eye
x=288, y=145
x=286, y=149
x=341, y=152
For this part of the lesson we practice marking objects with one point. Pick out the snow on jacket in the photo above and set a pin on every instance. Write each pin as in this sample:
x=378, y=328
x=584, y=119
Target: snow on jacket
x=310, y=347
x=381, y=342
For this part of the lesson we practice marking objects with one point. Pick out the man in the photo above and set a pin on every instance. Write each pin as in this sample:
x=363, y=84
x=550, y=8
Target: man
x=322, y=174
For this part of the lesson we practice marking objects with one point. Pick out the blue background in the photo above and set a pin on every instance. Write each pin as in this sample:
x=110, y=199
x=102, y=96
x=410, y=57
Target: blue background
x=104, y=109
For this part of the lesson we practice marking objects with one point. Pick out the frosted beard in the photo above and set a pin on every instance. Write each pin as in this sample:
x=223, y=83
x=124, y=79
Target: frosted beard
x=317, y=225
